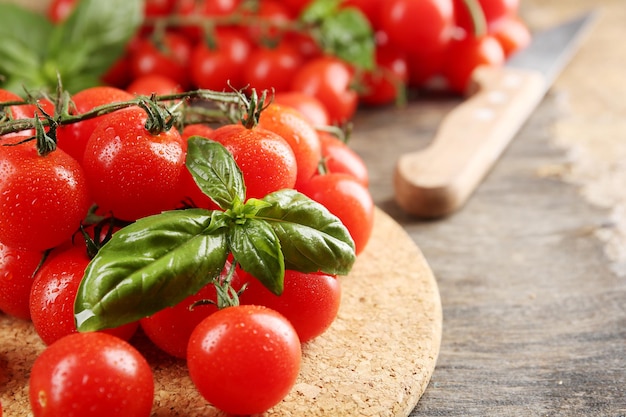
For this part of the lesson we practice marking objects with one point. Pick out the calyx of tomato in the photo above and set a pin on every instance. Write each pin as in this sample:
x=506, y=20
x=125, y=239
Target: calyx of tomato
x=159, y=260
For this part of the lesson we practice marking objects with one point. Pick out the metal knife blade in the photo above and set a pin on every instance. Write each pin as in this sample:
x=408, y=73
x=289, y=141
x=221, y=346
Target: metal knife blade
x=437, y=180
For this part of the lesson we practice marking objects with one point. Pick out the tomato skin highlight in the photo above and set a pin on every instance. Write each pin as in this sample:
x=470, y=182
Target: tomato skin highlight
x=130, y=171
x=245, y=359
x=91, y=374
x=44, y=199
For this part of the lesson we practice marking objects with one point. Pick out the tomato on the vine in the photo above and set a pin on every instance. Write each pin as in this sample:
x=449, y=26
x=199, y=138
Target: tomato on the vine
x=338, y=157
x=44, y=198
x=465, y=55
x=168, y=56
x=267, y=161
x=91, y=374
x=244, y=359
x=72, y=138
x=301, y=136
x=329, y=80
x=349, y=200
x=310, y=301
x=272, y=68
x=130, y=171
x=53, y=293
x=153, y=84
x=309, y=106
x=215, y=68
x=17, y=268
x=386, y=83
x=22, y=111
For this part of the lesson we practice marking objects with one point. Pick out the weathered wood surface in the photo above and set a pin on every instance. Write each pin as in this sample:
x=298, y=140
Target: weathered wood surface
x=534, y=307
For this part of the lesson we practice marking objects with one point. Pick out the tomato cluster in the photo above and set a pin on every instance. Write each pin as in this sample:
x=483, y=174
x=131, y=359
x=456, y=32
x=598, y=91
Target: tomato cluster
x=126, y=170
x=417, y=44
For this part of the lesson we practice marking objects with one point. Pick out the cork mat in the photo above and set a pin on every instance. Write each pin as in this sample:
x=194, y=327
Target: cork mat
x=375, y=360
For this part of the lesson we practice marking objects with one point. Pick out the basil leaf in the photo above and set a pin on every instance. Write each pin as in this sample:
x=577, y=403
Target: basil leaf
x=24, y=35
x=84, y=46
x=215, y=171
x=344, y=32
x=257, y=249
x=151, y=264
x=312, y=238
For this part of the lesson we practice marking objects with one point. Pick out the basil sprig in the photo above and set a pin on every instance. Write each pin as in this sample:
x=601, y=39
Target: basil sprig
x=34, y=52
x=159, y=260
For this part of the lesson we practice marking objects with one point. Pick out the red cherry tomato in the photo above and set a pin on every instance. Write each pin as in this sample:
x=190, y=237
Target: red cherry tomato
x=25, y=111
x=44, y=199
x=493, y=10
x=131, y=172
x=418, y=26
x=309, y=301
x=465, y=55
x=53, y=293
x=301, y=136
x=386, y=83
x=329, y=80
x=349, y=200
x=309, y=106
x=153, y=84
x=512, y=33
x=215, y=69
x=272, y=68
x=17, y=268
x=340, y=158
x=265, y=158
x=296, y=6
x=169, y=57
x=72, y=138
x=370, y=8
x=265, y=19
x=170, y=329
x=59, y=10
x=204, y=8
x=244, y=359
x=91, y=374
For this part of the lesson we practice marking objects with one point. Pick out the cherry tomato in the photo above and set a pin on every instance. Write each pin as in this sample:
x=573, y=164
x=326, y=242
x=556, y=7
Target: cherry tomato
x=44, y=198
x=349, y=200
x=370, y=8
x=131, y=172
x=119, y=74
x=493, y=10
x=156, y=8
x=153, y=84
x=25, y=111
x=310, y=301
x=340, y=158
x=418, y=26
x=465, y=55
x=272, y=68
x=170, y=329
x=265, y=19
x=207, y=9
x=17, y=269
x=512, y=33
x=301, y=136
x=267, y=161
x=53, y=293
x=59, y=10
x=386, y=83
x=91, y=374
x=245, y=359
x=296, y=6
x=216, y=68
x=72, y=138
x=169, y=57
x=308, y=106
x=329, y=80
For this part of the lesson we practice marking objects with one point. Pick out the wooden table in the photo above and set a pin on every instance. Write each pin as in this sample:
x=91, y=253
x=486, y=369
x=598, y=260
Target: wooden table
x=531, y=270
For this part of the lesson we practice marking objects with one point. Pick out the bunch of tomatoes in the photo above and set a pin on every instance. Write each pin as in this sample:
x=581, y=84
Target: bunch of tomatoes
x=67, y=189
x=228, y=44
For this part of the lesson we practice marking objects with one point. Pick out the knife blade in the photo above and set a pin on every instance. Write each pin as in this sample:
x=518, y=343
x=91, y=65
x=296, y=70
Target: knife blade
x=437, y=180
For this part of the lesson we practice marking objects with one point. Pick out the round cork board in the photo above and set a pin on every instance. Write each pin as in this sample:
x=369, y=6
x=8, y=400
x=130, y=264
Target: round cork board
x=375, y=360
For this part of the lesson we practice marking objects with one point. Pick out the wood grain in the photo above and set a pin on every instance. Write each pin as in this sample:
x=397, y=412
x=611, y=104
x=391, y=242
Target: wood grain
x=375, y=360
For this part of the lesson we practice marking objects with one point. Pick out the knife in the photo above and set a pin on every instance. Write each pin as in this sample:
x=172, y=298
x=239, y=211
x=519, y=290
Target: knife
x=437, y=180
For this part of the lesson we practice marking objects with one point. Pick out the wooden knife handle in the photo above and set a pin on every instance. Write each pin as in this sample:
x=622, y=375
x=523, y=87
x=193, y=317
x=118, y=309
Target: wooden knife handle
x=439, y=179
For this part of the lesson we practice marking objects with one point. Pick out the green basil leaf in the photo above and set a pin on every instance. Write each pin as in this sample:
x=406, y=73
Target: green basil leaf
x=23, y=48
x=257, y=249
x=215, y=171
x=319, y=10
x=348, y=35
x=151, y=264
x=92, y=38
x=312, y=238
